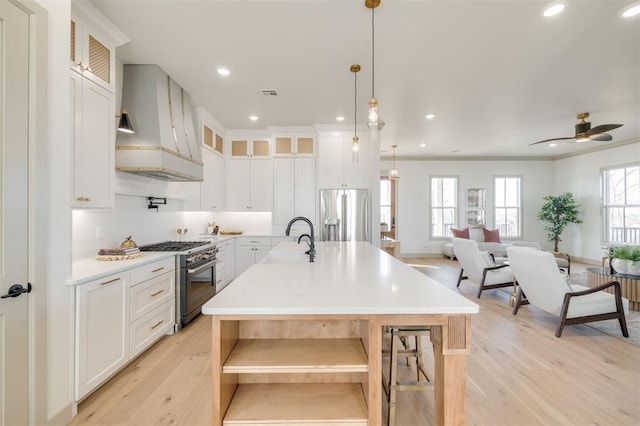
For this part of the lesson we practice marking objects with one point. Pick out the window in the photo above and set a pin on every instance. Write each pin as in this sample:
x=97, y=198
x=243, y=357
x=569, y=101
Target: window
x=621, y=204
x=387, y=207
x=508, y=206
x=444, y=205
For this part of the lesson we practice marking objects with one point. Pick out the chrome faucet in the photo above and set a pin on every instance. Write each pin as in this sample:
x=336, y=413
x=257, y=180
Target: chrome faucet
x=312, y=247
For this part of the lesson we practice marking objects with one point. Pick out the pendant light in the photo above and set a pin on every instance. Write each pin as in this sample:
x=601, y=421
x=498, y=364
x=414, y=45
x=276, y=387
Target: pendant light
x=394, y=174
x=355, y=68
x=373, y=102
x=124, y=124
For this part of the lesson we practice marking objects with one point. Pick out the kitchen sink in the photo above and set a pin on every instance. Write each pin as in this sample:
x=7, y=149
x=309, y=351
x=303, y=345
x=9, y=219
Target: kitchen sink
x=286, y=258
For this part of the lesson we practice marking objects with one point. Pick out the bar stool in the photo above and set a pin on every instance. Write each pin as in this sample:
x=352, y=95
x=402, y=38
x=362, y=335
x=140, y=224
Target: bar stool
x=400, y=336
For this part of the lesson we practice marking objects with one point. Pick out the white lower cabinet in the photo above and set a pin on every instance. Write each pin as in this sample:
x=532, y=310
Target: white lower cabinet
x=118, y=317
x=225, y=268
x=102, y=331
x=151, y=327
x=250, y=251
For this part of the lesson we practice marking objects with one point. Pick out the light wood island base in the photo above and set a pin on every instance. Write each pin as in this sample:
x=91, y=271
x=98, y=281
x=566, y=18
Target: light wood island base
x=322, y=369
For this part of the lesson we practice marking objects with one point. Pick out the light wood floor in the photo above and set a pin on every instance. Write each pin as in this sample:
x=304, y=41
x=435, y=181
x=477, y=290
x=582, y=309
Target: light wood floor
x=518, y=373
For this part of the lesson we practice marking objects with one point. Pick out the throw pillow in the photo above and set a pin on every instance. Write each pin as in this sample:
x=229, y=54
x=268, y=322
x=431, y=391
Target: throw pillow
x=460, y=233
x=491, y=236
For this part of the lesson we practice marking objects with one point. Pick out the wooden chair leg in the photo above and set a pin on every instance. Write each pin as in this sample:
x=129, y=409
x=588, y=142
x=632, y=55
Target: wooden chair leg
x=518, y=302
x=563, y=315
x=623, y=325
x=480, y=288
x=620, y=309
x=460, y=277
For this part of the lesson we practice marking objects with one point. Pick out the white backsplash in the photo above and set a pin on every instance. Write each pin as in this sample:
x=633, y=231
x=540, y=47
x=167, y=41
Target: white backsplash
x=131, y=216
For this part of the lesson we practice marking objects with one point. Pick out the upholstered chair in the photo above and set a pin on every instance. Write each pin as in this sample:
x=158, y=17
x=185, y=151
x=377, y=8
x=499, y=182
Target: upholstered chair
x=479, y=268
x=543, y=285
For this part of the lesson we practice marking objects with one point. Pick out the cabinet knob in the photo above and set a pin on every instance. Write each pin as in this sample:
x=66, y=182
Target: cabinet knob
x=83, y=199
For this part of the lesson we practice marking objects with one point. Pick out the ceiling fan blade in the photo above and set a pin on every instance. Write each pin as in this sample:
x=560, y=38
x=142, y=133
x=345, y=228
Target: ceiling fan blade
x=602, y=128
x=554, y=139
x=603, y=137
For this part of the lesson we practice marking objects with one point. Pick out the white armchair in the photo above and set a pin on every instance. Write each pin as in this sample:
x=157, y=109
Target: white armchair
x=478, y=268
x=562, y=259
x=543, y=285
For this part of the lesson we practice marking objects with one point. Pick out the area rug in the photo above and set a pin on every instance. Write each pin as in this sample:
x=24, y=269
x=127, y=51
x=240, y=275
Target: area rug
x=612, y=327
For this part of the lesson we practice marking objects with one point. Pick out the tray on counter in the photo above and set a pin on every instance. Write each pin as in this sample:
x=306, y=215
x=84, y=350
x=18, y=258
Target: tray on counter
x=112, y=257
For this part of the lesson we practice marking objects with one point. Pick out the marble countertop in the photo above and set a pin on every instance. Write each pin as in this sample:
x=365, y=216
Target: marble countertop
x=89, y=269
x=346, y=278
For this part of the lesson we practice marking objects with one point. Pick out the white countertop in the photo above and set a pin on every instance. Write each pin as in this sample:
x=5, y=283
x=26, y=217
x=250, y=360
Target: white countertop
x=89, y=269
x=347, y=278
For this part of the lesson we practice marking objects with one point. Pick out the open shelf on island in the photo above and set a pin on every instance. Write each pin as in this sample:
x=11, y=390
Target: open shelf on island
x=297, y=356
x=308, y=403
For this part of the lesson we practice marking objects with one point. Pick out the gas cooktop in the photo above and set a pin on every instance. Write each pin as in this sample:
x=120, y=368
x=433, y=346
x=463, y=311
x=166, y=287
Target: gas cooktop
x=173, y=246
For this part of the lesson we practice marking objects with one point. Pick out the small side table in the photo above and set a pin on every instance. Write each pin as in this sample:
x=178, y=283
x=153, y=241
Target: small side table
x=629, y=284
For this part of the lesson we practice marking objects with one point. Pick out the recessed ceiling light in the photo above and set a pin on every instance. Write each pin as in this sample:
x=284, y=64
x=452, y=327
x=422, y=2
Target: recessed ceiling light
x=631, y=11
x=423, y=145
x=553, y=9
x=339, y=118
x=223, y=71
x=253, y=117
x=430, y=116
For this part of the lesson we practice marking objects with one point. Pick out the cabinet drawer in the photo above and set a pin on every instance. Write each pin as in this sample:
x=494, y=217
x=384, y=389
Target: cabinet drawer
x=151, y=327
x=152, y=270
x=154, y=292
x=258, y=241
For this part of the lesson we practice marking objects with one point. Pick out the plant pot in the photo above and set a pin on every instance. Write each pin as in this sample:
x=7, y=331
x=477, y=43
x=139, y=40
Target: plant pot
x=620, y=265
x=633, y=269
x=625, y=266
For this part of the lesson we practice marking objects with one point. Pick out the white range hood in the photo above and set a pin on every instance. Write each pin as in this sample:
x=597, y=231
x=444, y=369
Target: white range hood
x=164, y=145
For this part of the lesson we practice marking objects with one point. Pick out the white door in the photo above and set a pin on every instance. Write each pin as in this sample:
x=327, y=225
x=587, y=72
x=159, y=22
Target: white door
x=14, y=132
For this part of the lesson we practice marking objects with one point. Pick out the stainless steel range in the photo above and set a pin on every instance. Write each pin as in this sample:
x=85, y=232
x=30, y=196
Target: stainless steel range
x=195, y=275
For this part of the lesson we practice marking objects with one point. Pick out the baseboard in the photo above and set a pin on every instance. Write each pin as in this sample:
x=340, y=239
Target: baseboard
x=62, y=416
x=586, y=261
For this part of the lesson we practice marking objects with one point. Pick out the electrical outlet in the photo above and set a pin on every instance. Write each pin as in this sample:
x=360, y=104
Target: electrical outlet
x=99, y=233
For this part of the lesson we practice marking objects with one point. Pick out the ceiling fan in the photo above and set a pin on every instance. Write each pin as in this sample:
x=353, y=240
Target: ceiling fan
x=585, y=133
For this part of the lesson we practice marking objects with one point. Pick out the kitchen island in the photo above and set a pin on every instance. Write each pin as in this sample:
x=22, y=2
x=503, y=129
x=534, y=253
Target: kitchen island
x=298, y=342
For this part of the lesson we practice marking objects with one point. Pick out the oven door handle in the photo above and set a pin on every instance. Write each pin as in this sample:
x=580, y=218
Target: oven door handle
x=201, y=268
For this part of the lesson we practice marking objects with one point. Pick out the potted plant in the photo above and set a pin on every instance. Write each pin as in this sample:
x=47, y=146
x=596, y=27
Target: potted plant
x=559, y=211
x=625, y=259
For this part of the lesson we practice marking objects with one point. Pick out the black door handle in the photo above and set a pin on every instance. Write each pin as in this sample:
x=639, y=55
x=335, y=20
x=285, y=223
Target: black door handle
x=16, y=290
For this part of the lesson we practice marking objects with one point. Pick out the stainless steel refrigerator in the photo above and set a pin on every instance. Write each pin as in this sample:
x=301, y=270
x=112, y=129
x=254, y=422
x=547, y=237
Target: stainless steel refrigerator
x=344, y=214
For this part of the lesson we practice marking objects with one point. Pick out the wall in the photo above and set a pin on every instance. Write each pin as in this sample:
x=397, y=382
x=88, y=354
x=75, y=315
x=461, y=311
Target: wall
x=413, y=196
x=581, y=176
x=131, y=216
x=53, y=381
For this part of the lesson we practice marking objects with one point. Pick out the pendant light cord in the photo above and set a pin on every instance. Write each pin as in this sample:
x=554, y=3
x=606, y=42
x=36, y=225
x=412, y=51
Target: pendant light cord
x=355, y=104
x=373, y=53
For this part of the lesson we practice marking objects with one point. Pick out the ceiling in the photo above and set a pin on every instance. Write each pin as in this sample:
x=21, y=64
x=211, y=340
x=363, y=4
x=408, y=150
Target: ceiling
x=497, y=74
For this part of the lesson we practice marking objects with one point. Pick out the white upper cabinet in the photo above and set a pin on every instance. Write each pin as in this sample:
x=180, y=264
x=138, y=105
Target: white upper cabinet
x=212, y=187
x=249, y=185
x=294, y=189
x=338, y=166
x=92, y=55
x=243, y=147
x=293, y=145
x=92, y=83
x=207, y=195
x=93, y=44
x=92, y=136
